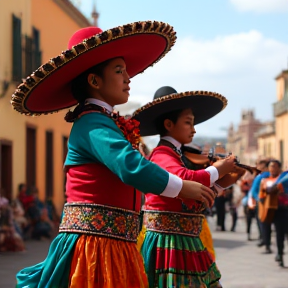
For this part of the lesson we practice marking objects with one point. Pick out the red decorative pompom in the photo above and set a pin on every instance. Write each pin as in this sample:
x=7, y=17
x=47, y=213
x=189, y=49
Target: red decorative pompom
x=130, y=129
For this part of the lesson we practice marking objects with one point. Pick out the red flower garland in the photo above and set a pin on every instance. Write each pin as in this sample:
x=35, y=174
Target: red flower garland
x=130, y=130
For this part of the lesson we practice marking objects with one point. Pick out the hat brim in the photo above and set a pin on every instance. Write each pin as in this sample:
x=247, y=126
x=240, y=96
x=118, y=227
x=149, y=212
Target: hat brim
x=204, y=105
x=48, y=89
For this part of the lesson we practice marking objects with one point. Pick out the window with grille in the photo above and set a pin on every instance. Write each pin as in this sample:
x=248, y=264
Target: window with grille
x=281, y=148
x=17, y=49
x=27, y=56
x=286, y=88
x=37, y=54
x=49, y=165
x=31, y=156
x=32, y=52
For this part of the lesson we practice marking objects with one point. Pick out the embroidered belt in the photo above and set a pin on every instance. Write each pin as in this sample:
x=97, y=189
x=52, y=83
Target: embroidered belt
x=173, y=223
x=100, y=220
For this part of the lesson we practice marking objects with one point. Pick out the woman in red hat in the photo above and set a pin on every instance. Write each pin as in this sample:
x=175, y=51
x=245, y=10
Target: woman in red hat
x=96, y=246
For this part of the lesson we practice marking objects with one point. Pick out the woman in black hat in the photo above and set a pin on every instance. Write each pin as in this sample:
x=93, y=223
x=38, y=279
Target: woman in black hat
x=173, y=253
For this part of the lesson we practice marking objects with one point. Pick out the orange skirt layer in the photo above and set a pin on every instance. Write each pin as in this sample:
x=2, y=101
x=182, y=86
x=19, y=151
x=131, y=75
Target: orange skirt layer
x=100, y=262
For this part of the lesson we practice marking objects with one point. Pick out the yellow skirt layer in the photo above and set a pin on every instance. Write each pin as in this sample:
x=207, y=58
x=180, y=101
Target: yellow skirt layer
x=100, y=262
x=206, y=238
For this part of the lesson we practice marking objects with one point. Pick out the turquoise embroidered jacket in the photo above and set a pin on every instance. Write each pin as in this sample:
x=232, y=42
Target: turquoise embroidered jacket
x=95, y=138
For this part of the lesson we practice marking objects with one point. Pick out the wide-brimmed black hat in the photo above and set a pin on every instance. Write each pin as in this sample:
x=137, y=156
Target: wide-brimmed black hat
x=204, y=105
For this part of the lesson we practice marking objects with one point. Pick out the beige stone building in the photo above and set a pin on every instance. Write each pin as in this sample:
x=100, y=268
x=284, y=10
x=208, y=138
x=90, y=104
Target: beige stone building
x=281, y=118
x=267, y=141
x=253, y=140
x=32, y=149
x=242, y=141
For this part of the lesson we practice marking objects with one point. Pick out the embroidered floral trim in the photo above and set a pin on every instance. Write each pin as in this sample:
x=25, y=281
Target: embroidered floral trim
x=100, y=220
x=192, y=206
x=173, y=223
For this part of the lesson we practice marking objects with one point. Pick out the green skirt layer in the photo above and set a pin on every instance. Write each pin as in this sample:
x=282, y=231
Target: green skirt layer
x=174, y=261
x=53, y=272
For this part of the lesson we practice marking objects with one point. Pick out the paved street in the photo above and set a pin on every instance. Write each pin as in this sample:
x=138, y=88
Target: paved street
x=242, y=263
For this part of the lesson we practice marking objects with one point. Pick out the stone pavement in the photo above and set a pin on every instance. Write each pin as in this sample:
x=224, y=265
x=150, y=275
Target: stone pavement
x=241, y=263
x=12, y=262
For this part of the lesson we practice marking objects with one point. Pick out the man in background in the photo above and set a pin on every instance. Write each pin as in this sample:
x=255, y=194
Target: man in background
x=253, y=195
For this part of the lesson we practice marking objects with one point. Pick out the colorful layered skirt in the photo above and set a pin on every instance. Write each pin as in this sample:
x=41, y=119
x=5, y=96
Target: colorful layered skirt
x=96, y=248
x=174, y=256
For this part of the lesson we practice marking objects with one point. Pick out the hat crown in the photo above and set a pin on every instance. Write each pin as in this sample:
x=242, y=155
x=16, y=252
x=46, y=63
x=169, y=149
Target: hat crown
x=163, y=91
x=83, y=34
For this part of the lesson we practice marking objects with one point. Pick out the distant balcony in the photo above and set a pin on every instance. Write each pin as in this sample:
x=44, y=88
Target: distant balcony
x=281, y=107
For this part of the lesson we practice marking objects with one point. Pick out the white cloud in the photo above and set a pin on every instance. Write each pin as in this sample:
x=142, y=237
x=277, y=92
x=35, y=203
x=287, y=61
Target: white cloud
x=242, y=67
x=261, y=6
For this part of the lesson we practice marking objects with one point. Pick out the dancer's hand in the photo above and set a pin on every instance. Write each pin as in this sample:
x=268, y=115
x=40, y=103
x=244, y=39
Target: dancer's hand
x=197, y=191
x=225, y=166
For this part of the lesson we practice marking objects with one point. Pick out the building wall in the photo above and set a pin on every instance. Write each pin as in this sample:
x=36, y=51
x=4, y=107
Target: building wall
x=280, y=87
x=55, y=27
x=281, y=125
x=11, y=123
x=21, y=9
x=243, y=141
x=281, y=120
x=267, y=146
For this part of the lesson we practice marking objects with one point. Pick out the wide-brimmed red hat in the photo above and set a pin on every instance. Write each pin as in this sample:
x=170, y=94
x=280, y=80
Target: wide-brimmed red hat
x=48, y=89
x=204, y=105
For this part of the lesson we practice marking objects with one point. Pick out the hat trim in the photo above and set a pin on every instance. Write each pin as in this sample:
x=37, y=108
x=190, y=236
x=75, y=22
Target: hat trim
x=181, y=95
x=148, y=27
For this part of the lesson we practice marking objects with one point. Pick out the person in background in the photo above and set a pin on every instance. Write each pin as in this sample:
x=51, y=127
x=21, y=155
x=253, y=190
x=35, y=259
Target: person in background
x=245, y=185
x=20, y=220
x=24, y=199
x=220, y=204
x=38, y=216
x=281, y=214
x=253, y=195
x=10, y=240
x=268, y=202
x=52, y=214
x=273, y=200
x=233, y=204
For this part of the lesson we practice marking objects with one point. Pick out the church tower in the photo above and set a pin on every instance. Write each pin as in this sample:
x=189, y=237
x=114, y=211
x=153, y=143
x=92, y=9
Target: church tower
x=95, y=14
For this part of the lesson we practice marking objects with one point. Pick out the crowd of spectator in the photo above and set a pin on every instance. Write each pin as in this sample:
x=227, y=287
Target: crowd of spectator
x=26, y=217
x=264, y=198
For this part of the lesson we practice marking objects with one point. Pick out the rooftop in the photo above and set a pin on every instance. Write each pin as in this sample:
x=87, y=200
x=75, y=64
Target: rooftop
x=73, y=12
x=284, y=72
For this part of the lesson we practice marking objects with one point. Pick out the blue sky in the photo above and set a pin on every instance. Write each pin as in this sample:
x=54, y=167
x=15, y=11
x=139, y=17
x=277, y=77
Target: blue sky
x=203, y=19
x=232, y=47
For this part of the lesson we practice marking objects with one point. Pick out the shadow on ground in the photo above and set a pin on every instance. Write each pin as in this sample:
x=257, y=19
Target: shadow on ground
x=228, y=244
